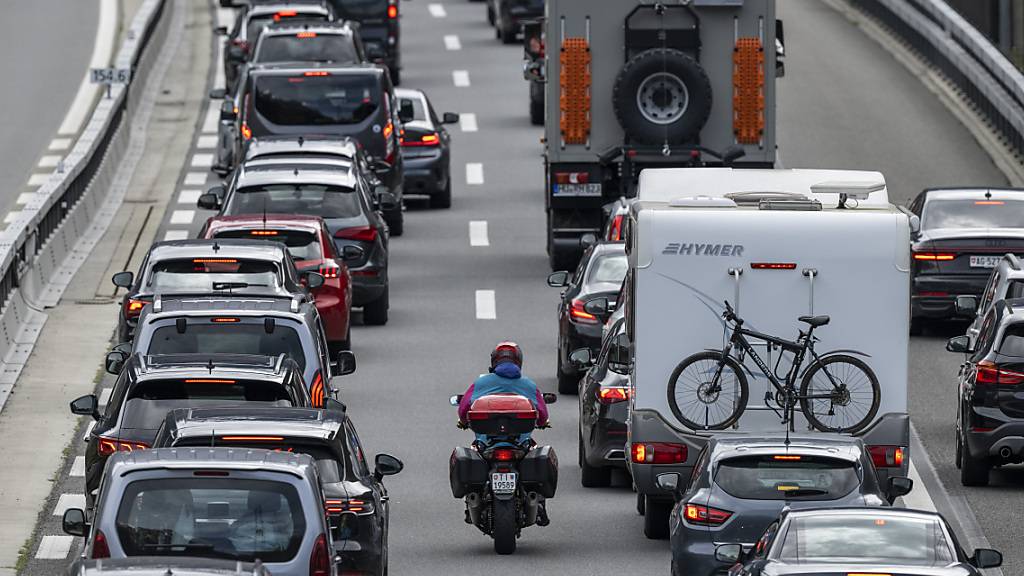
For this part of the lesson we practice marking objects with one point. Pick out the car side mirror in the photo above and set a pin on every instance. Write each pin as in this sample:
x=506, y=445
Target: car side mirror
x=959, y=344
x=449, y=118
x=406, y=112
x=588, y=240
x=351, y=253
x=581, y=358
x=114, y=362
x=558, y=279
x=898, y=486
x=966, y=305
x=457, y=399
x=386, y=465
x=986, y=558
x=335, y=404
x=228, y=111
x=549, y=398
x=218, y=94
x=618, y=355
x=313, y=280
x=597, y=307
x=728, y=553
x=87, y=405
x=386, y=201
x=209, y=201
x=73, y=522
x=221, y=30
x=669, y=482
x=123, y=279
x=346, y=363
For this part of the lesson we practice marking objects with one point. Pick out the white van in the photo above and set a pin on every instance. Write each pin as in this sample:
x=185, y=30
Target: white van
x=775, y=245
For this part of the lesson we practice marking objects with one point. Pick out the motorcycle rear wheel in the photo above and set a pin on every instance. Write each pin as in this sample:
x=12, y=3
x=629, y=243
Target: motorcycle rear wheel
x=504, y=526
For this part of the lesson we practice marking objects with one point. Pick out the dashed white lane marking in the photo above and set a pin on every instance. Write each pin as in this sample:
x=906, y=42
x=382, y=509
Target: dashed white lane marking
x=195, y=178
x=478, y=233
x=452, y=42
x=919, y=498
x=50, y=161
x=474, y=173
x=77, y=467
x=202, y=160
x=37, y=180
x=88, y=430
x=183, y=216
x=105, y=396
x=102, y=50
x=467, y=121
x=212, y=118
x=25, y=197
x=12, y=216
x=175, y=235
x=189, y=196
x=206, y=142
x=485, y=307
x=54, y=547
x=69, y=501
x=437, y=10
x=58, y=144
x=460, y=78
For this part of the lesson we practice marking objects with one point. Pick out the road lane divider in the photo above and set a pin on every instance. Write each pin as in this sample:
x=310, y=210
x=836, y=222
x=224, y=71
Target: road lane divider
x=37, y=180
x=206, y=142
x=474, y=174
x=478, y=233
x=54, y=547
x=467, y=122
x=189, y=196
x=211, y=119
x=452, y=42
x=202, y=160
x=460, y=78
x=105, y=396
x=437, y=10
x=50, y=161
x=59, y=144
x=172, y=235
x=77, y=467
x=66, y=501
x=486, y=308
x=195, y=178
x=183, y=216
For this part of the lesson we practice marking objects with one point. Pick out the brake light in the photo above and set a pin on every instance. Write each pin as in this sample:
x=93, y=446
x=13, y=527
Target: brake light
x=705, y=515
x=263, y=232
x=934, y=256
x=361, y=234
x=990, y=373
x=658, y=453
x=504, y=454
x=316, y=391
x=389, y=129
x=989, y=202
x=572, y=177
x=887, y=456
x=252, y=438
x=338, y=506
x=284, y=14
x=214, y=261
x=100, y=549
x=316, y=73
x=786, y=457
x=306, y=35
x=133, y=308
x=108, y=446
x=425, y=140
x=773, y=265
x=329, y=270
x=320, y=558
x=224, y=320
x=392, y=11
x=612, y=394
x=246, y=131
x=615, y=232
x=578, y=313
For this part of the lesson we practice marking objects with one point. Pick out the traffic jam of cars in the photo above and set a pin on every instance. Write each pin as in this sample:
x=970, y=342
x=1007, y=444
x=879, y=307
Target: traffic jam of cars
x=704, y=324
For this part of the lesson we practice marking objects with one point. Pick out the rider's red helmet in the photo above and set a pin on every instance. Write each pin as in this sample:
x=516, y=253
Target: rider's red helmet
x=506, y=352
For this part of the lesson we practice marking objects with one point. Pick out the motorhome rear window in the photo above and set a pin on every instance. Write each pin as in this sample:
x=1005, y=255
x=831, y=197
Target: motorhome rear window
x=978, y=213
x=784, y=476
x=312, y=99
x=308, y=47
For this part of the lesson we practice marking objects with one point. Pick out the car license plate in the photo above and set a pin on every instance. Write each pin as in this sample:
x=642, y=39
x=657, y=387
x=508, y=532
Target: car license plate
x=984, y=261
x=503, y=482
x=578, y=189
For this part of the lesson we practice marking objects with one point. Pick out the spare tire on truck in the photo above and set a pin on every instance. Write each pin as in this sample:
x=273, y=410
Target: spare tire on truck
x=662, y=96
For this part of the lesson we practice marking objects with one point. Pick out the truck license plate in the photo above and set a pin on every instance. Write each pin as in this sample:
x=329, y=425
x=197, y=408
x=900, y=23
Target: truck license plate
x=578, y=189
x=503, y=482
x=984, y=261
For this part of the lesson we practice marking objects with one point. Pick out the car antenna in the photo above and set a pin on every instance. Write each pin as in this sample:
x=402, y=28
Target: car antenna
x=213, y=438
x=216, y=246
x=302, y=140
x=209, y=365
x=264, y=212
x=988, y=194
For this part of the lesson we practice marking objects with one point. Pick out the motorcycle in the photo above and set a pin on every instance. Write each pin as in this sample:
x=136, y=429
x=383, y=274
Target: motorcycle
x=504, y=482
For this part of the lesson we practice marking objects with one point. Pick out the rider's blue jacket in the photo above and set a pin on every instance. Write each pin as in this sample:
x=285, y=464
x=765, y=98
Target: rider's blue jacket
x=506, y=378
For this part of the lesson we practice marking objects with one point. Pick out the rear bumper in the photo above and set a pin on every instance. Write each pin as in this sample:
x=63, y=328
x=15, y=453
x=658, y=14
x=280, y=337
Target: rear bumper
x=934, y=295
x=366, y=289
x=1005, y=442
x=425, y=175
x=606, y=441
x=694, y=556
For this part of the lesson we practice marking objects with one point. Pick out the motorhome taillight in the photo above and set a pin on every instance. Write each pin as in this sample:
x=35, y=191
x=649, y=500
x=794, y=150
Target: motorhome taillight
x=773, y=265
x=572, y=177
x=658, y=453
x=615, y=231
x=887, y=456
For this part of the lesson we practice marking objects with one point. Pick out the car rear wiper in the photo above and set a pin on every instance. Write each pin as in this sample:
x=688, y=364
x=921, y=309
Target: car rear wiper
x=190, y=547
x=805, y=492
x=235, y=285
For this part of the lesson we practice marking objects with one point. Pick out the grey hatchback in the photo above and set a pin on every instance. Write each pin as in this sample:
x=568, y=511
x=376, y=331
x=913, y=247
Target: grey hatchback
x=741, y=484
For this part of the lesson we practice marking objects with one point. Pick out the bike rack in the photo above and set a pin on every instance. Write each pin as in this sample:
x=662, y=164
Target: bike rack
x=811, y=274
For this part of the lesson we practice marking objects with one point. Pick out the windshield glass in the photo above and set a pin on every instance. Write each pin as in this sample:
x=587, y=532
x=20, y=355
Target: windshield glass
x=301, y=245
x=313, y=199
x=307, y=47
x=611, y=268
x=940, y=213
x=317, y=99
x=211, y=517
x=778, y=477
x=210, y=274
x=228, y=338
x=355, y=9
x=861, y=539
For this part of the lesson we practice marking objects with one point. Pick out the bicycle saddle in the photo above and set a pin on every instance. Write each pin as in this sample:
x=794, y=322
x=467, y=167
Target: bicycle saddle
x=814, y=321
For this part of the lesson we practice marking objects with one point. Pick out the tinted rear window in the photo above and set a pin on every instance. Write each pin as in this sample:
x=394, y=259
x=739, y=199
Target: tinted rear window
x=973, y=214
x=312, y=199
x=307, y=47
x=610, y=269
x=355, y=9
x=317, y=100
x=301, y=245
x=778, y=477
x=257, y=23
x=228, y=338
x=208, y=274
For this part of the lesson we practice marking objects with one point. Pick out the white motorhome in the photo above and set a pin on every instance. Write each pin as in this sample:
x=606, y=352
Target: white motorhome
x=775, y=244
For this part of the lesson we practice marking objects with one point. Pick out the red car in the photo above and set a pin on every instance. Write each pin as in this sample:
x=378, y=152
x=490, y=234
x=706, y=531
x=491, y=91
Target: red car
x=311, y=247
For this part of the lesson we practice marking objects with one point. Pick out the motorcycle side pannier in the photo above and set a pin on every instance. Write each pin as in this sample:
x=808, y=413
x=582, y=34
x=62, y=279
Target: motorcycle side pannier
x=538, y=471
x=467, y=471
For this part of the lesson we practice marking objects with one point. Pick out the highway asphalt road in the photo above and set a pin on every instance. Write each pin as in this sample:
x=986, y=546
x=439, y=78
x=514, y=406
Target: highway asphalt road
x=846, y=103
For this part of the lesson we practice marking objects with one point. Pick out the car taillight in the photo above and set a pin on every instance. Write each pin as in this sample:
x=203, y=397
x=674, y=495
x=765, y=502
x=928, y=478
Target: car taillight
x=133, y=308
x=612, y=394
x=615, y=232
x=320, y=559
x=108, y=446
x=990, y=373
x=246, y=131
x=934, y=256
x=426, y=140
x=339, y=506
x=705, y=515
x=658, y=453
x=241, y=44
x=361, y=233
x=329, y=270
x=392, y=11
x=100, y=549
x=887, y=456
x=572, y=177
x=579, y=314
x=316, y=391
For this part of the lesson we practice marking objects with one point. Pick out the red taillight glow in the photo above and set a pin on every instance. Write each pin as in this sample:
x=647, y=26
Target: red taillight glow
x=572, y=177
x=329, y=270
x=392, y=11
x=786, y=457
x=615, y=231
x=306, y=35
x=704, y=515
x=578, y=313
x=886, y=456
x=316, y=391
x=989, y=203
x=133, y=308
x=246, y=131
x=263, y=232
x=107, y=446
x=208, y=381
x=100, y=549
x=388, y=130
x=252, y=438
x=284, y=14
x=316, y=73
x=504, y=454
x=320, y=558
x=658, y=453
x=336, y=506
x=773, y=265
x=425, y=140
x=990, y=373
x=612, y=394
x=361, y=234
x=934, y=256
x=220, y=320
x=214, y=261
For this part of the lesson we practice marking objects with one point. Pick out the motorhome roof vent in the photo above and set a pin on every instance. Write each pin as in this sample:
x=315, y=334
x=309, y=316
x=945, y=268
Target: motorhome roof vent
x=804, y=205
x=753, y=198
x=702, y=202
x=855, y=190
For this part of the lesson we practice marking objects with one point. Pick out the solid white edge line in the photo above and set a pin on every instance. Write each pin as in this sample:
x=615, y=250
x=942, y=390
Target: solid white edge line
x=919, y=498
x=102, y=51
x=467, y=122
x=478, y=233
x=452, y=42
x=460, y=78
x=474, y=173
x=105, y=396
x=485, y=305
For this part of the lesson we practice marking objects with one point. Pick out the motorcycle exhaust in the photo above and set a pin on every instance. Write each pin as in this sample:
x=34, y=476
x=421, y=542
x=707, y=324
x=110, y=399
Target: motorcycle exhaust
x=473, y=502
x=531, y=505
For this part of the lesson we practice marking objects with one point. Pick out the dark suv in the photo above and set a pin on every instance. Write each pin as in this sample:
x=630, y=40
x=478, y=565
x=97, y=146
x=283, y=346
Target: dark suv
x=990, y=406
x=380, y=28
x=356, y=499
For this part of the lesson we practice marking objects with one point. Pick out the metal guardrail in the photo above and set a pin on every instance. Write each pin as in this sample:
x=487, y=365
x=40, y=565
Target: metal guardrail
x=947, y=41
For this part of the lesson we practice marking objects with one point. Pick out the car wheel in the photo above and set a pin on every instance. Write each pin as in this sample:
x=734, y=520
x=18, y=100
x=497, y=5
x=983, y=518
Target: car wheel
x=640, y=504
x=490, y=14
x=656, y=519
x=443, y=198
x=396, y=222
x=536, y=111
x=509, y=34
x=376, y=313
x=567, y=383
x=396, y=76
x=973, y=471
x=916, y=326
x=593, y=476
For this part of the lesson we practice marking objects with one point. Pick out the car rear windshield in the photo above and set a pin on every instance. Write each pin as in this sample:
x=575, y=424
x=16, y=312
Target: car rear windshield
x=355, y=9
x=258, y=22
x=611, y=269
x=220, y=517
x=980, y=213
x=313, y=199
x=212, y=274
x=149, y=402
x=307, y=47
x=327, y=461
x=317, y=100
x=785, y=476
x=864, y=539
x=228, y=338
x=1013, y=341
x=301, y=245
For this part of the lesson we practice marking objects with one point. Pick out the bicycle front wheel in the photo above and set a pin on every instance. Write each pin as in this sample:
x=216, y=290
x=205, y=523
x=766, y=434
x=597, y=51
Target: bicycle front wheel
x=840, y=393
x=708, y=391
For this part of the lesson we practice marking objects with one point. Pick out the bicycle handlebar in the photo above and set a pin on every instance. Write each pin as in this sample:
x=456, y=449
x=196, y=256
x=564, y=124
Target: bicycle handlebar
x=730, y=314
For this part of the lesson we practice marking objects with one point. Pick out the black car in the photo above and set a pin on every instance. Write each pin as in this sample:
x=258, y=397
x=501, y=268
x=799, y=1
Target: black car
x=588, y=297
x=332, y=189
x=964, y=232
x=508, y=16
x=851, y=541
x=380, y=27
x=149, y=386
x=327, y=42
x=209, y=267
x=990, y=404
x=426, y=147
x=741, y=484
x=164, y=565
x=355, y=496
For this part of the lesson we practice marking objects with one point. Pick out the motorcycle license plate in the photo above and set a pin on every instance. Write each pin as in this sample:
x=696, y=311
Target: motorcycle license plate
x=503, y=482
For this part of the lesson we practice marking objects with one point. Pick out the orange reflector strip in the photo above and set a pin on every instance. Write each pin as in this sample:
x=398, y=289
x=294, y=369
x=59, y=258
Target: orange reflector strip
x=224, y=320
x=214, y=261
x=208, y=381
x=252, y=438
x=785, y=457
x=264, y=232
x=989, y=203
x=306, y=35
x=748, y=91
x=316, y=73
x=574, y=102
x=773, y=266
